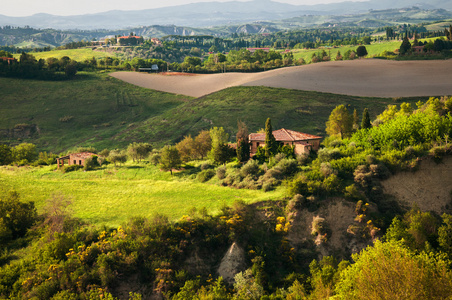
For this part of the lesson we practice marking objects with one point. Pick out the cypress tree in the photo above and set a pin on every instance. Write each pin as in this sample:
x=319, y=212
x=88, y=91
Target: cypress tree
x=365, y=123
x=270, y=141
x=355, y=120
x=243, y=145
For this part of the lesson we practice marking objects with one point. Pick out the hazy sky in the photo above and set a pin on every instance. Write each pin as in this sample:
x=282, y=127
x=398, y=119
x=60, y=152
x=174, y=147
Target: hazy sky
x=76, y=7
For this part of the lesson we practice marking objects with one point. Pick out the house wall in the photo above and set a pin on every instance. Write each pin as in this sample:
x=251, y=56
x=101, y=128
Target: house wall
x=74, y=160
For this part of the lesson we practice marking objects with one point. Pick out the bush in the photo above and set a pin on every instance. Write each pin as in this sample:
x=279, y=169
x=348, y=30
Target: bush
x=91, y=163
x=206, y=166
x=297, y=202
x=72, y=168
x=205, y=175
x=318, y=226
x=221, y=172
x=250, y=168
x=287, y=167
x=154, y=158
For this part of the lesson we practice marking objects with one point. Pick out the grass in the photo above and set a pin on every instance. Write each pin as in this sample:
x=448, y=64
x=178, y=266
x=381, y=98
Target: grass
x=101, y=111
x=373, y=50
x=110, y=196
x=304, y=111
x=89, y=110
x=75, y=54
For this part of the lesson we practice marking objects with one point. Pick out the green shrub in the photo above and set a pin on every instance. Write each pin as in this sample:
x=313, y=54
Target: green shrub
x=205, y=175
x=287, y=167
x=206, y=166
x=221, y=172
x=154, y=158
x=250, y=168
x=72, y=168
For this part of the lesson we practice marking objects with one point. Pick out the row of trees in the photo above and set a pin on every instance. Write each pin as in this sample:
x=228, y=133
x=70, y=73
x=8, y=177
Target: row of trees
x=29, y=67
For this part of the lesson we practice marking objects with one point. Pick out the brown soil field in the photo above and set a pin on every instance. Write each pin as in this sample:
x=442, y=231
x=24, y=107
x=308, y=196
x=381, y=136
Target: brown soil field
x=362, y=77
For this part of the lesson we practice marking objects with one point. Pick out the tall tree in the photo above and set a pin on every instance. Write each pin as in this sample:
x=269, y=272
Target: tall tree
x=405, y=47
x=170, y=159
x=365, y=122
x=243, y=145
x=220, y=152
x=271, y=147
x=355, y=120
x=340, y=122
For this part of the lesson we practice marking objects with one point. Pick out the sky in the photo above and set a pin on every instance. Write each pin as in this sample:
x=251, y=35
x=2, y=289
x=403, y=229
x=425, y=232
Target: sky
x=20, y=8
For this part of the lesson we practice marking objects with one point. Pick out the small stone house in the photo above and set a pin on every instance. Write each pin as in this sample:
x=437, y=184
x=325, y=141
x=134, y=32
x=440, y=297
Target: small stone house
x=74, y=159
x=302, y=142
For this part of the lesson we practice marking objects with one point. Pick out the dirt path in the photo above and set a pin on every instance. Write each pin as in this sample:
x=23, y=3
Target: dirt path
x=364, y=77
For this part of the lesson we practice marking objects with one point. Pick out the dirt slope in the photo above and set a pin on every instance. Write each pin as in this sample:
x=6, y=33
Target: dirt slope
x=430, y=187
x=363, y=77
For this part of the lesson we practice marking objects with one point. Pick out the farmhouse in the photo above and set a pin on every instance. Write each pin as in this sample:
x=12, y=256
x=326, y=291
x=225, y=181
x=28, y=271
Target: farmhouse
x=302, y=142
x=74, y=159
x=10, y=60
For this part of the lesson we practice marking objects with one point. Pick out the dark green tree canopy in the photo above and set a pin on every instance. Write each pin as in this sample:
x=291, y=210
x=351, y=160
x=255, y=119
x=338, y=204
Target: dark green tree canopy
x=271, y=147
x=361, y=51
x=365, y=123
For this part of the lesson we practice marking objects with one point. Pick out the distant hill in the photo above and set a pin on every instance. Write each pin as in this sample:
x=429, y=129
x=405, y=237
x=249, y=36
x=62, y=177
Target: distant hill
x=211, y=14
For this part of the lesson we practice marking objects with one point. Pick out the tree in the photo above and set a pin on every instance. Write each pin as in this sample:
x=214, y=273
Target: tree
x=243, y=145
x=405, y=47
x=355, y=120
x=6, y=155
x=361, y=51
x=222, y=153
x=186, y=148
x=340, y=122
x=24, y=153
x=70, y=70
x=365, y=122
x=170, y=159
x=139, y=151
x=203, y=143
x=117, y=156
x=391, y=271
x=271, y=147
x=16, y=217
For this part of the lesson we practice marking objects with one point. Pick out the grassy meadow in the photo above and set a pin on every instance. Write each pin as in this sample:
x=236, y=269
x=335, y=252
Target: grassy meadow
x=111, y=195
x=98, y=110
x=75, y=54
x=91, y=109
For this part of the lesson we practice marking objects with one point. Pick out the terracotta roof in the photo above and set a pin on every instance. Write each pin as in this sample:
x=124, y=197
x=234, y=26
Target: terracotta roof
x=83, y=154
x=127, y=37
x=285, y=135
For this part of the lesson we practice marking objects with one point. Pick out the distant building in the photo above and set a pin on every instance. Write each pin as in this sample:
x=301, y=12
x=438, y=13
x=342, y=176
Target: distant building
x=156, y=41
x=302, y=142
x=10, y=60
x=74, y=159
x=418, y=49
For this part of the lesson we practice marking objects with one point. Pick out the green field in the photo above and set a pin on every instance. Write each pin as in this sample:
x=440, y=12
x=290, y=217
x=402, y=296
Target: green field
x=91, y=109
x=101, y=111
x=110, y=196
x=374, y=49
x=74, y=54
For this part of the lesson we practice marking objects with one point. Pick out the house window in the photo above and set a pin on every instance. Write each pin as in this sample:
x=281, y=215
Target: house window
x=80, y=162
x=75, y=162
x=257, y=144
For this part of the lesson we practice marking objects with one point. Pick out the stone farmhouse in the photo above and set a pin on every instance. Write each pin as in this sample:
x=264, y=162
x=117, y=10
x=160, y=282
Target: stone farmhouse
x=74, y=159
x=302, y=142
